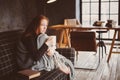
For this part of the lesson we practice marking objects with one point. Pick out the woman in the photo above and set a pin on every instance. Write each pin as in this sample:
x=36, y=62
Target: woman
x=37, y=52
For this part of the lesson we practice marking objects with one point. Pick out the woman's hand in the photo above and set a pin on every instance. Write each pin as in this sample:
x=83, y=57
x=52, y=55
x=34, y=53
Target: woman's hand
x=50, y=42
x=51, y=46
x=66, y=69
x=50, y=52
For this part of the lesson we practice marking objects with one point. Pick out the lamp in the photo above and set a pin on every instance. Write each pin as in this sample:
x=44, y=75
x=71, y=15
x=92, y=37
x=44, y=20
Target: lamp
x=46, y=3
x=51, y=1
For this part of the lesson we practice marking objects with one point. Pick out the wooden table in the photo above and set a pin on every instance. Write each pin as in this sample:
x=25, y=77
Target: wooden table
x=66, y=28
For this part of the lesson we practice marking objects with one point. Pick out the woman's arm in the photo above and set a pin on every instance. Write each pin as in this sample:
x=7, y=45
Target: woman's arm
x=31, y=45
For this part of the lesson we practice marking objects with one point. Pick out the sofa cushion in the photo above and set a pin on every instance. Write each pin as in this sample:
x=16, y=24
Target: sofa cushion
x=68, y=53
x=55, y=74
x=8, y=42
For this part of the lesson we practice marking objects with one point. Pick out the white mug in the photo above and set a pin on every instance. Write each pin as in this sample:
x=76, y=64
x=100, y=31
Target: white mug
x=54, y=40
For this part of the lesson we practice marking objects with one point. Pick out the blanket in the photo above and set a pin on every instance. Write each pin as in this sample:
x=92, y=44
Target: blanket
x=55, y=61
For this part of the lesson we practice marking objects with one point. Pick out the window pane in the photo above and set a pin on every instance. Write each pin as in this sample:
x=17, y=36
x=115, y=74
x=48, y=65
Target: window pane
x=108, y=0
x=90, y=1
x=114, y=0
x=86, y=20
x=94, y=18
x=94, y=0
x=104, y=0
x=86, y=0
x=104, y=8
x=94, y=8
x=104, y=17
x=114, y=7
x=115, y=18
x=86, y=8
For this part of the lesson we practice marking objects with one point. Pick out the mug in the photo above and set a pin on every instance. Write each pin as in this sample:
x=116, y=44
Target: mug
x=54, y=40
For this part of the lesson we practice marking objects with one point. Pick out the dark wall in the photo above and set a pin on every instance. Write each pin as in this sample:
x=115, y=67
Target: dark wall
x=18, y=13
x=60, y=10
x=57, y=11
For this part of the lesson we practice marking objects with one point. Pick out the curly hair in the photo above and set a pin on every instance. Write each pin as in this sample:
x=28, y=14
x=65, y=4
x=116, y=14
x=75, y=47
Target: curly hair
x=32, y=27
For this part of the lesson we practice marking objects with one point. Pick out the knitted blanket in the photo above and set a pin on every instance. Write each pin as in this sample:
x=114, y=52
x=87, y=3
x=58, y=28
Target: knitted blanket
x=55, y=61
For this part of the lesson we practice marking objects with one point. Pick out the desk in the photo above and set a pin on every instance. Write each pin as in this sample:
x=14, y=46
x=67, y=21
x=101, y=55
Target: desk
x=66, y=28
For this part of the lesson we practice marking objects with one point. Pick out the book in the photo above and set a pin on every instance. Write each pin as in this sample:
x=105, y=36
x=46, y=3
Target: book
x=29, y=74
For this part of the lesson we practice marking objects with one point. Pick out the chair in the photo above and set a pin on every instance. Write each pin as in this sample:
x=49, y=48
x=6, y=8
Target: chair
x=101, y=42
x=71, y=22
x=83, y=41
x=100, y=32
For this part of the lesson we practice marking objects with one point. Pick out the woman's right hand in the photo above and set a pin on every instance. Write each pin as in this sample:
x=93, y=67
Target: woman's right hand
x=49, y=42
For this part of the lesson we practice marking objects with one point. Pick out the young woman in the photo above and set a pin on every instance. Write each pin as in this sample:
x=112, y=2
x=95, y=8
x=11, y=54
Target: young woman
x=37, y=52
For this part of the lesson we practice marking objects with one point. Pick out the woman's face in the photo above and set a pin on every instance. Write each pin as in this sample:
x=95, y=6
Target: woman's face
x=43, y=26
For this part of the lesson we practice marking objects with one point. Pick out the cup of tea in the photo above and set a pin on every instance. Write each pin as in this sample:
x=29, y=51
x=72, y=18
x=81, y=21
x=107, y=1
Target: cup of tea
x=54, y=40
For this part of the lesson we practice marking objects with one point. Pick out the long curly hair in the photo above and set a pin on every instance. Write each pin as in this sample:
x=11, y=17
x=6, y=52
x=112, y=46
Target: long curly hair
x=33, y=26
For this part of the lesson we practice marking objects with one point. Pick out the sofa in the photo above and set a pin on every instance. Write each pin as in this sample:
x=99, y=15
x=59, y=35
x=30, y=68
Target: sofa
x=8, y=66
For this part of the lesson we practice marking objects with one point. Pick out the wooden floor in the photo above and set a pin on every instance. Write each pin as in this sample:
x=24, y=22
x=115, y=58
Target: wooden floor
x=104, y=71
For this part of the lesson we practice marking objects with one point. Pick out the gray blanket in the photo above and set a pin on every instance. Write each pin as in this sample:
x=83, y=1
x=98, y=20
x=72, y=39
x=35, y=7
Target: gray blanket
x=49, y=63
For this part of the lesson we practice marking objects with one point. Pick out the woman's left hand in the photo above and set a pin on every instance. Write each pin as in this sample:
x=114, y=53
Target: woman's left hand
x=66, y=70
x=50, y=52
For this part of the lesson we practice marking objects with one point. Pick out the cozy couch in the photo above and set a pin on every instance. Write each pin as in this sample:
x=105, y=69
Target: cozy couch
x=8, y=66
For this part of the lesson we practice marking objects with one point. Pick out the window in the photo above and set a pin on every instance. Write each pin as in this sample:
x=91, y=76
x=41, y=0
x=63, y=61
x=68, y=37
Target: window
x=93, y=10
x=89, y=11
